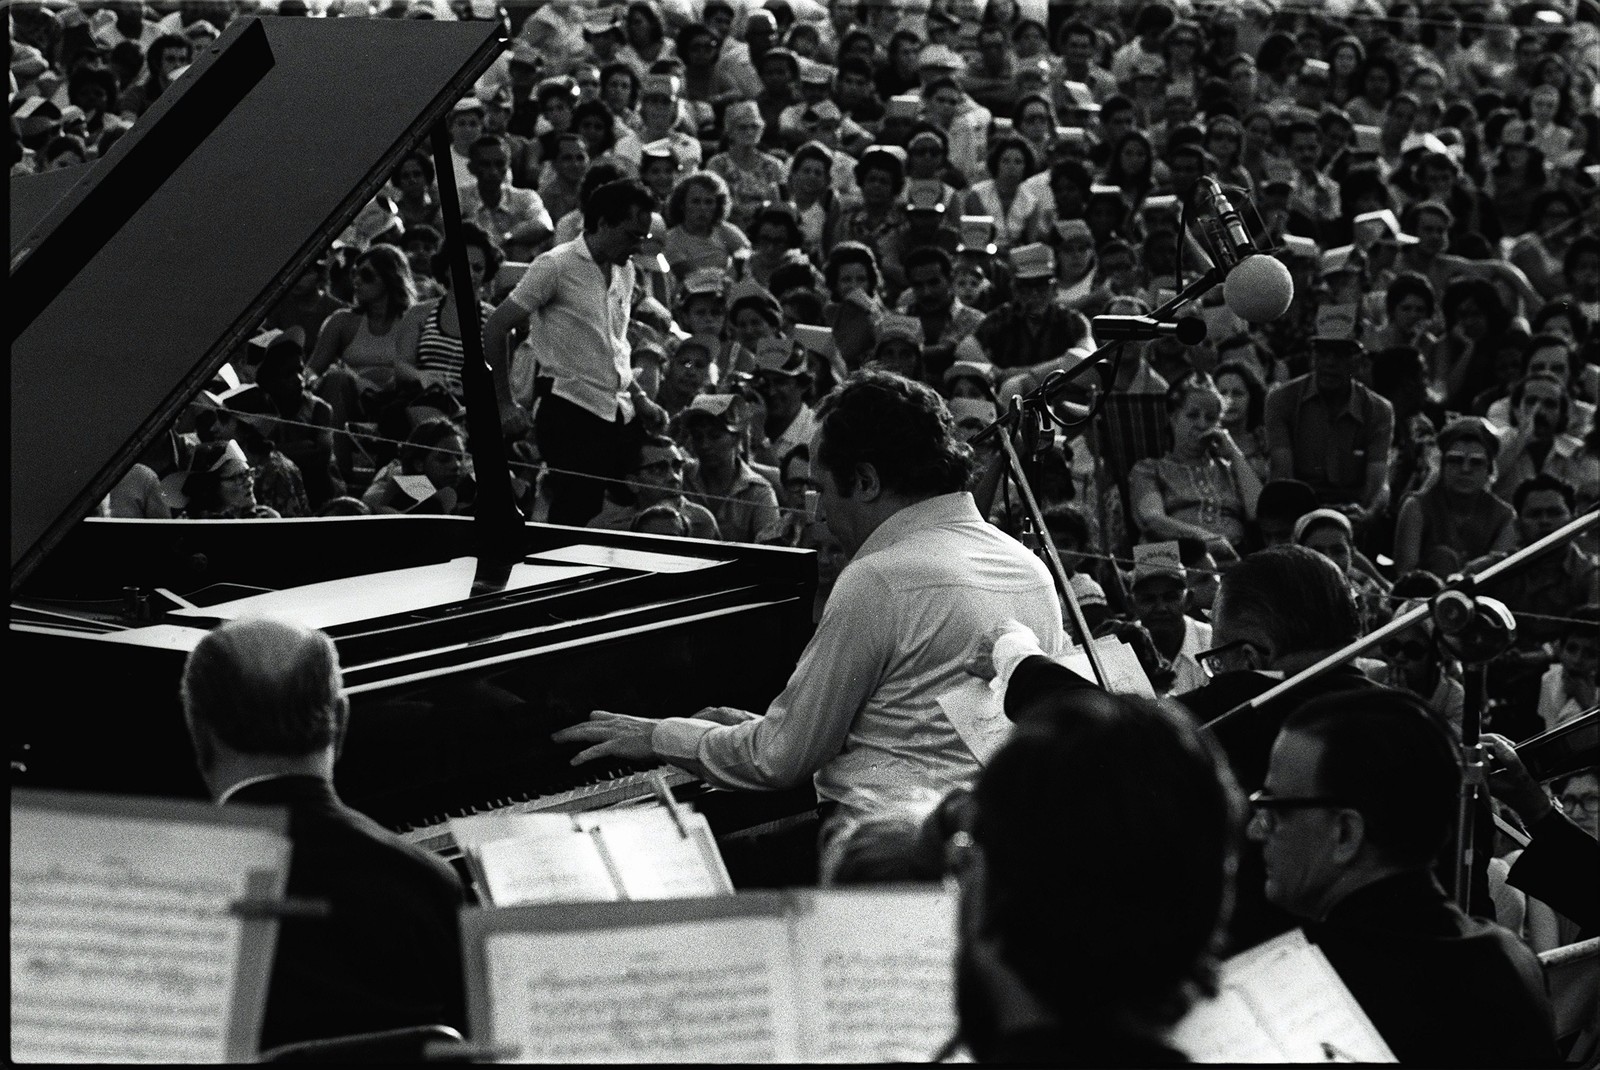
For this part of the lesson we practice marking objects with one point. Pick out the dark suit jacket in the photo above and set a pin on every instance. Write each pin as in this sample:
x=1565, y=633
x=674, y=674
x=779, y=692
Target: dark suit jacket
x=389, y=955
x=1561, y=866
x=1442, y=988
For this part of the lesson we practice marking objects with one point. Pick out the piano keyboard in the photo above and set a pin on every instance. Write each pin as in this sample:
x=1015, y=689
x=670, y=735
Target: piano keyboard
x=435, y=836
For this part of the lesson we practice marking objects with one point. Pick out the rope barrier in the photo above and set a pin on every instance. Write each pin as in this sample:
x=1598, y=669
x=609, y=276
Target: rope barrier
x=1124, y=564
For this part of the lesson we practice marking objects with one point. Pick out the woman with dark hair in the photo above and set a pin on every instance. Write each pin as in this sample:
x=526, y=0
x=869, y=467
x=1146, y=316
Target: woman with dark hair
x=812, y=194
x=1455, y=518
x=880, y=216
x=416, y=200
x=775, y=238
x=431, y=349
x=221, y=486
x=167, y=53
x=1016, y=209
x=619, y=91
x=595, y=123
x=1131, y=167
x=1346, y=58
x=647, y=38
x=898, y=74
x=698, y=231
x=1224, y=140
x=1278, y=60
x=1462, y=362
x=1376, y=84
x=1035, y=122
x=1244, y=402
x=1204, y=487
x=855, y=304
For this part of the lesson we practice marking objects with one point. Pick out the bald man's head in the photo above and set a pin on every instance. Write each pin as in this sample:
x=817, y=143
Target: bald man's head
x=265, y=687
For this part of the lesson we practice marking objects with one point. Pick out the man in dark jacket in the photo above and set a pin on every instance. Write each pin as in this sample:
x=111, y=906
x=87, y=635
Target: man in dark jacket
x=1359, y=801
x=266, y=716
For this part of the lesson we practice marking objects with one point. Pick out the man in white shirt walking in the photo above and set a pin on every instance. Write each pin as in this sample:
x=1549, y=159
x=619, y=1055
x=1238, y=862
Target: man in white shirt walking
x=577, y=299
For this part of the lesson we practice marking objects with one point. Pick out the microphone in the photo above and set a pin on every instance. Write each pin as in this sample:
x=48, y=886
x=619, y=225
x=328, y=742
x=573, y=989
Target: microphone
x=1258, y=287
x=1190, y=330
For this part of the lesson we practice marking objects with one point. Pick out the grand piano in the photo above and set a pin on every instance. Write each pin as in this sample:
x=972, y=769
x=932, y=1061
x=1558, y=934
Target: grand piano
x=464, y=641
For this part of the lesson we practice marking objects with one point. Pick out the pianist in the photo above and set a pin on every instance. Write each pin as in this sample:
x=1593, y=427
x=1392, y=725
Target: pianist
x=861, y=710
x=266, y=716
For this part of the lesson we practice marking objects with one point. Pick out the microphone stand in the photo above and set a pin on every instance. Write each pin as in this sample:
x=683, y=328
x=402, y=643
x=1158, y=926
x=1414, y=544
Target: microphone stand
x=1034, y=409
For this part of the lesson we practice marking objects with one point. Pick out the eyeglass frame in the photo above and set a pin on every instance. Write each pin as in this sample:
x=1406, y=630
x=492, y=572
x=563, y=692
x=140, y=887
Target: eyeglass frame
x=1267, y=805
x=1578, y=804
x=1205, y=657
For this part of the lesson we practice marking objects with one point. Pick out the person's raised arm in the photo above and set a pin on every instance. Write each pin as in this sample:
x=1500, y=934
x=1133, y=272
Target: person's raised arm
x=337, y=331
x=1408, y=536
x=1244, y=475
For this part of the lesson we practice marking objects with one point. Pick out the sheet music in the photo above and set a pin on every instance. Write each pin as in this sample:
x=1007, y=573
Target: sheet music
x=978, y=713
x=706, y=991
x=123, y=947
x=653, y=860
x=879, y=966
x=1281, y=1001
x=1124, y=674
x=561, y=868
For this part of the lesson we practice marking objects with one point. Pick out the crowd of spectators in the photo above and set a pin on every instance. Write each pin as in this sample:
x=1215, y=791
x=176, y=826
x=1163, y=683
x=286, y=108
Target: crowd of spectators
x=951, y=191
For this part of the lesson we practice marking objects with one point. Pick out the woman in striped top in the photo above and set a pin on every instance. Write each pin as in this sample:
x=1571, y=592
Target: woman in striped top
x=430, y=332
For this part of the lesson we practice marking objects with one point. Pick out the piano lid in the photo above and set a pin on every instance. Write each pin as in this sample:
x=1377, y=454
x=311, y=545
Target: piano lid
x=134, y=285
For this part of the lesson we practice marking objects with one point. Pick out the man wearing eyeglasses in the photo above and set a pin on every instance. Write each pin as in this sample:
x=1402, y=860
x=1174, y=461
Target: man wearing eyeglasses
x=1359, y=802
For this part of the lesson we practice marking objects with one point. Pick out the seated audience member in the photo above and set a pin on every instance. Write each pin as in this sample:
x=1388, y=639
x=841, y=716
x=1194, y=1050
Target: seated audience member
x=516, y=218
x=267, y=717
x=299, y=422
x=1359, y=800
x=1280, y=506
x=1161, y=603
x=699, y=234
x=1561, y=864
x=1332, y=432
x=1539, y=442
x=660, y=519
x=783, y=378
x=688, y=373
x=136, y=495
x=1568, y=686
x=1204, y=577
x=743, y=502
x=1329, y=533
x=221, y=486
x=1244, y=399
x=1063, y=967
x=1549, y=354
x=1204, y=487
x=1414, y=659
x=431, y=346
x=1458, y=518
x=431, y=475
x=1553, y=584
x=654, y=478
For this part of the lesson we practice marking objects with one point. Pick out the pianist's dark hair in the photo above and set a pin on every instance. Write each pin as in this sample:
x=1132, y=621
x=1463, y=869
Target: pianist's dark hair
x=1141, y=934
x=1295, y=595
x=614, y=202
x=1390, y=756
x=264, y=686
x=900, y=427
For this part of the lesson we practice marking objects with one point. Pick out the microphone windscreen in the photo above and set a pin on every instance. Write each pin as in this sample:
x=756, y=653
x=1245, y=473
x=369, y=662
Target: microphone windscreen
x=1258, y=289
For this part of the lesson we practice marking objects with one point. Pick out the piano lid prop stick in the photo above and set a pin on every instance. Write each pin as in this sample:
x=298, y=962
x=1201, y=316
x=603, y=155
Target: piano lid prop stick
x=658, y=784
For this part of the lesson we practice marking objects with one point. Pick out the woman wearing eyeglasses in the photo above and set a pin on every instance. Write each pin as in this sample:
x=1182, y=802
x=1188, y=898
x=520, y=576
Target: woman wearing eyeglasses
x=1455, y=518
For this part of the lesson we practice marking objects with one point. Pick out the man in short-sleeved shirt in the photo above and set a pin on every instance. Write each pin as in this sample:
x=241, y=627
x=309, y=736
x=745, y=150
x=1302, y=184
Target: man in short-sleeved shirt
x=1330, y=431
x=580, y=297
x=516, y=218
